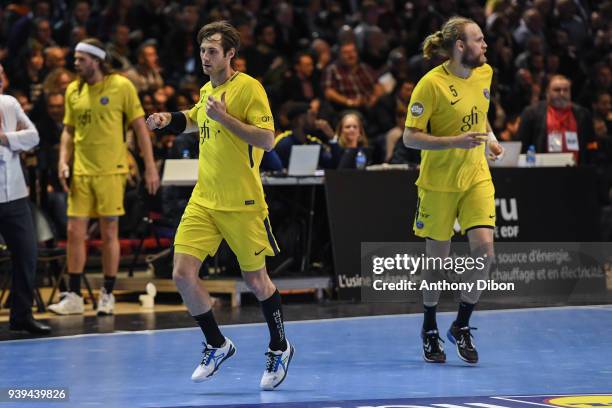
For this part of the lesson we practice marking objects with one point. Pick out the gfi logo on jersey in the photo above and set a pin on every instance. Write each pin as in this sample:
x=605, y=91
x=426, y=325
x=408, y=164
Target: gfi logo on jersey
x=470, y=119
x=417, y=109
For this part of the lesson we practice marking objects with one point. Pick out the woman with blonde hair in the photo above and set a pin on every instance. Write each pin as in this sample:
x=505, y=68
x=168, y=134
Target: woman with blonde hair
x=350, y=131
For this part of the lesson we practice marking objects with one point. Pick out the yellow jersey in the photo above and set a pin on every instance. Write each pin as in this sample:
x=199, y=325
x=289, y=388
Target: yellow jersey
x=100, y=115
x=444, y=104
x=228, y=167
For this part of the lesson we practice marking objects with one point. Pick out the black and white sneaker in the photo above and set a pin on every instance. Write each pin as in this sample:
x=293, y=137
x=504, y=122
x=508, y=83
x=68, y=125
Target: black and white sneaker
x=433, y=351
x=462, y=338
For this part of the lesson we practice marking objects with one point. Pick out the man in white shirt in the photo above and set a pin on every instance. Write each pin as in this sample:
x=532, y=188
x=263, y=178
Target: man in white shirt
x=17, y=133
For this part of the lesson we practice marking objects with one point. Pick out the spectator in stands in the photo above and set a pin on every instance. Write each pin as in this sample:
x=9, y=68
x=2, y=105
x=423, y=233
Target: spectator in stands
x=602, y=108
x=350, y=131
x=24, y=27
x=117, y=12
x=557, y=125
x=118, y=48
x=42, y=35
x=307, y=129
x=29, y=74
x=570, y=21
x=322, y=53
x=52, y=196
x=395, y=72
x=386, y=109
x=600, y=80
x=180, y=50
x=531, y=25
x=240, y=64
x=80, y=16
x=147, y=74
x=350, y=84
x=57, y=81
x=55, y=57
x=303, y=84
x=267, y=63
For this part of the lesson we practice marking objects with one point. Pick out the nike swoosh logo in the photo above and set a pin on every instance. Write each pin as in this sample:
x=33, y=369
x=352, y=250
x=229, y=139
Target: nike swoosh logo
x=257, y=253
x=454, y=102
x=491, y=216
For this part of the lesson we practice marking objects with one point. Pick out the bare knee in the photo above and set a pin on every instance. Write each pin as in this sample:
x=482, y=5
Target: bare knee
x=76, y=230
x=259, y=283
x=184, y=272
x=109, y=231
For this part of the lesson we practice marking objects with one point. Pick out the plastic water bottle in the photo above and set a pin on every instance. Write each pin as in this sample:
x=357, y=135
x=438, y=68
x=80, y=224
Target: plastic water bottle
x=360, y=160
x=185, y=154
x=530, y=158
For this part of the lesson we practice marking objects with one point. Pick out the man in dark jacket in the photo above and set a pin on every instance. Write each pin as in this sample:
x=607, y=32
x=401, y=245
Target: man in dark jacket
x=557, y=125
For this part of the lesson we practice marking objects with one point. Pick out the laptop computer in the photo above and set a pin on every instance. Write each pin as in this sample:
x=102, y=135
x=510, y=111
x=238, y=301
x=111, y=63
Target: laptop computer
x=512, y=151
x=303, y=160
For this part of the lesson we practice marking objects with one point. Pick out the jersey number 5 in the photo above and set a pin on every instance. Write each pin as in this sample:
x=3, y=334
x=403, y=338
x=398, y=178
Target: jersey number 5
x=453, y=90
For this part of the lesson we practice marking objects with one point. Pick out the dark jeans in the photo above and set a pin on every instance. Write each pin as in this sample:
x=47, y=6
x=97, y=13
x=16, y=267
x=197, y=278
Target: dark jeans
x=17, y=228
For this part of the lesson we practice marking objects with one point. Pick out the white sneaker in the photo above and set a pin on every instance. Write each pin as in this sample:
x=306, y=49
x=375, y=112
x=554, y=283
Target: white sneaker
x=106, y=303
x=277, y=365
x=70, y=303
x=212, y=359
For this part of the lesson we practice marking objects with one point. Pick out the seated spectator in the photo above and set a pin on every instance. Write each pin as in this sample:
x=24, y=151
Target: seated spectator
x=350, y=131
x=350, y=84
x=146, y=75
x=303, y=84
x=395, y=133
x=531, y=25
x=29, y=74
x=600, y=155
x=80, y=16
x=240, y=63
x=57, y=81
x=389, y=104
x=118, y=49
x=55, y=57
x=41, y=37
x=307, y=129
x=322, y=53
x=602, y=108
x=351, y=136
x=50, y=125
x=396, y=72
x=600, y=81
x=557, y=125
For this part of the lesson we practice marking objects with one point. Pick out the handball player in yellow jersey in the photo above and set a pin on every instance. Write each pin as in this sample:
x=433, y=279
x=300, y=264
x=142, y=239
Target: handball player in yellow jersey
x=235, y=125
x=100, y=105
x=447, y=121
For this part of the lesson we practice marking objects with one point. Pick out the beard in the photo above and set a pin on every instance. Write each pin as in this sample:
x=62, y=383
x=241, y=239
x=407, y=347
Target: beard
x=471, y=61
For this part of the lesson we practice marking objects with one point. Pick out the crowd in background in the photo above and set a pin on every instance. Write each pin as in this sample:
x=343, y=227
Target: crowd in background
x=317, y=60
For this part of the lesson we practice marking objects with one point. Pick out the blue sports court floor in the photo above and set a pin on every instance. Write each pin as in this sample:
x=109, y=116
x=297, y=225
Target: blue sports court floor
x=527, y=356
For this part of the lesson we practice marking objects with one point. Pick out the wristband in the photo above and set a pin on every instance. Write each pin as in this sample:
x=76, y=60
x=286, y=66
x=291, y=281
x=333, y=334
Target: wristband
x=177, y=125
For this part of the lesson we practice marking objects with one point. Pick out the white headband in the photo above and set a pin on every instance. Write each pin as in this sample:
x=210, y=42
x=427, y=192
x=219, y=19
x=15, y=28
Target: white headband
x=91, y=49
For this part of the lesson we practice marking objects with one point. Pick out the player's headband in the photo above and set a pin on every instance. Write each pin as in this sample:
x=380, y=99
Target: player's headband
x=91, y=49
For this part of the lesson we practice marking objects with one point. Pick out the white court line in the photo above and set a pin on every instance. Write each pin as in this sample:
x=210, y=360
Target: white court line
x=296, y=322
x=525, y=402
